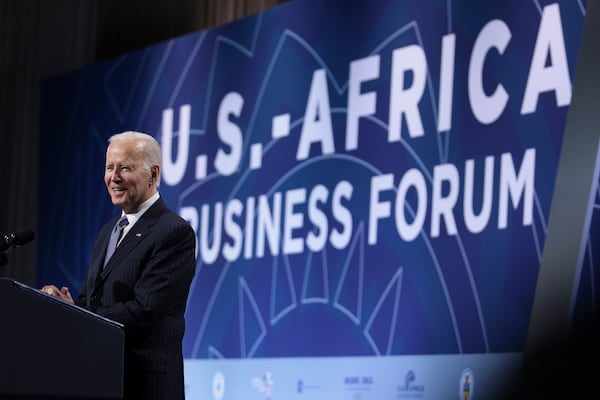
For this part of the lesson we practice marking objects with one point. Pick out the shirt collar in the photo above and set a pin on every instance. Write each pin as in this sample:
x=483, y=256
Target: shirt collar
x=134, y=216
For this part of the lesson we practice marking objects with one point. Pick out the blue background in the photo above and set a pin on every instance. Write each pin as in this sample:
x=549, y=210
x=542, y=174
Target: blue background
x=468, y=293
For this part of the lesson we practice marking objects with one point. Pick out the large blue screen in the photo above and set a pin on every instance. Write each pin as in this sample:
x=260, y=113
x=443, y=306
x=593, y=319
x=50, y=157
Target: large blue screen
x=369, y=181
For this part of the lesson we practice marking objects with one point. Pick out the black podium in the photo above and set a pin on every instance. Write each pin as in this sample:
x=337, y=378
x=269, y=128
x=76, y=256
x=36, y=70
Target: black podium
x=50, y=349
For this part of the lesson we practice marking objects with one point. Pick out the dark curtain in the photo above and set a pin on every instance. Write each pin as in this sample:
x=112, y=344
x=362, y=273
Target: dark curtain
x=40, y=39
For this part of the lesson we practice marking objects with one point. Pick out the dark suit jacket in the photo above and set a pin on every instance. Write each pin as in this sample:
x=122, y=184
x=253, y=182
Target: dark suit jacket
x=145, y=287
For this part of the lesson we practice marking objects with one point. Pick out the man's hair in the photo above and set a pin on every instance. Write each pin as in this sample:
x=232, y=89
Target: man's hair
x=144, y=142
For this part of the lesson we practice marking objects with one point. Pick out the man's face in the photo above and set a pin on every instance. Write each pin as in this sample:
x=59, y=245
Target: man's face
x=127, y=178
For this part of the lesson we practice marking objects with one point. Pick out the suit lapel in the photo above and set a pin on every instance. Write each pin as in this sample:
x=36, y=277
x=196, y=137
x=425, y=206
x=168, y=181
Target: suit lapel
x=135, y=236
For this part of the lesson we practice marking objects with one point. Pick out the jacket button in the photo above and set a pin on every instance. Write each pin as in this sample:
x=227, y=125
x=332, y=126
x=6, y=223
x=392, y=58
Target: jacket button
x=93, y=298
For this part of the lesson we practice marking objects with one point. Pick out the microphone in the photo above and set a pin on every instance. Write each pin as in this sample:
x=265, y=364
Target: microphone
x=16, y=239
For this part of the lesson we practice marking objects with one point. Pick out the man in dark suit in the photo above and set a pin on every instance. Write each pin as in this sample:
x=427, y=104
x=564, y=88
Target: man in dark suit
x=144, y=284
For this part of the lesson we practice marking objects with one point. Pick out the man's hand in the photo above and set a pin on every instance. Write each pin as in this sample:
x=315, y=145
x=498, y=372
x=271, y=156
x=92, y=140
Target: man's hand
x=62, y=294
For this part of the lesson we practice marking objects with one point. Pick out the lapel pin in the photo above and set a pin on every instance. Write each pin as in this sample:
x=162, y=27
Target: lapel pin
x=138, y=235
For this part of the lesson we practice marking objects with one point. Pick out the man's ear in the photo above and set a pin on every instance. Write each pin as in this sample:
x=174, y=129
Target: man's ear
x=154, y=174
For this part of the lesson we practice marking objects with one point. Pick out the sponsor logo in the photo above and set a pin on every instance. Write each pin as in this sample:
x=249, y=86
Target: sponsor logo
x=358, y=385
x=218, y=386
x=410, y=388
x=467, y=384
x=264, y=384
x=358, y=380
x=302, y=386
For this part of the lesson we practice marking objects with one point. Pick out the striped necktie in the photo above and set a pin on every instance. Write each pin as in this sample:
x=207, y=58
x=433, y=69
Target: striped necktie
x=115, y=236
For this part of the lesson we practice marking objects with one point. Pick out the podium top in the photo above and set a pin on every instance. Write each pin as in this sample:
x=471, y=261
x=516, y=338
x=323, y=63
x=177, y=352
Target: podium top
x=7, y=282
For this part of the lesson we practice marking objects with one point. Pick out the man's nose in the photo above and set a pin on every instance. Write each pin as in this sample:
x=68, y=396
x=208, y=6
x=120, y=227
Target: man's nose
x=115, y=175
